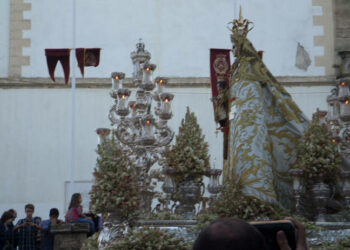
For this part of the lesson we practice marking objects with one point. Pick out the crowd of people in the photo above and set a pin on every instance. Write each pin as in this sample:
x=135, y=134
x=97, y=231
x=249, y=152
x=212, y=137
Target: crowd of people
x=31, y=233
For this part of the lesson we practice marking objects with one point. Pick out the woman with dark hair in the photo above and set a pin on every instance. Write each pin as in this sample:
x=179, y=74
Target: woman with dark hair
x=75, y=212
x=14, y=240
x=5, y=230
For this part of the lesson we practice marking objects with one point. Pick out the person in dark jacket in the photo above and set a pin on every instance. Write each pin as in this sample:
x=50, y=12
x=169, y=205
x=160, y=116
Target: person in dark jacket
x=47, y=238
x=27, y=229
x=14, y=240
x=5, y=230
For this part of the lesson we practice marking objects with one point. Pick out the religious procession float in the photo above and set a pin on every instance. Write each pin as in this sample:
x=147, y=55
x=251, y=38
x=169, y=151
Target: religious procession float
x=276, y=162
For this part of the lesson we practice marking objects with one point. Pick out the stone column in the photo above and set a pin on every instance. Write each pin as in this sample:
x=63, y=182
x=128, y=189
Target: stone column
x=70, y=236
x=17, y=42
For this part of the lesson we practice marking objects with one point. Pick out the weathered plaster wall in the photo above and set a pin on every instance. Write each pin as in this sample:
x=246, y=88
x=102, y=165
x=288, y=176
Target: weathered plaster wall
x=4, y=37
x=178, y=33
x=35, y=135
x=35, y=122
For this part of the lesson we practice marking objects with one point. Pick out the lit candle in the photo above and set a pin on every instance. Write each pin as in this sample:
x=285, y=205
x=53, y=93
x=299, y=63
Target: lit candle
x=345, y=109
x=165, y=107
x=117, y=80
x=161, y=82
x=102, y=133
x=132, y=105
x=343, y=89
x=123, y=96
x=147, y=78
x=147, y=130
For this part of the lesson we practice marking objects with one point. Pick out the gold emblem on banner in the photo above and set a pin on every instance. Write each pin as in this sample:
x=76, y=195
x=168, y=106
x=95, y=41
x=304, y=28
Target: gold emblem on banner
x=220, y=64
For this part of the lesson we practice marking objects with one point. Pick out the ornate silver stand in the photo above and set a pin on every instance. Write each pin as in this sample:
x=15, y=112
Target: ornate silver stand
x=345, y=177
x=297, y=188
x=113, y=228
x=321, y=193
x=190, y=194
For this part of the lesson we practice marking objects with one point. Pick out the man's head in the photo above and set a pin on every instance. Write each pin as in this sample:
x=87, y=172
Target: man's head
x=230, y=234
x=54, y=213
x=29, y=210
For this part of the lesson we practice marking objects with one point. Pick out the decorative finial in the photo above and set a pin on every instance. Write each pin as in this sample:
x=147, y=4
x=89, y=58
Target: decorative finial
x=240, y=14
x=240, y=26
x=140, y=46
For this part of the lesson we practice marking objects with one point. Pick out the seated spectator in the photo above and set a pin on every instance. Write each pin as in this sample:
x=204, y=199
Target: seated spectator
x=75, y=213
x=95, y=218
x=5, y=230
x=235, y=234
x=47, y=238
x=27, y=229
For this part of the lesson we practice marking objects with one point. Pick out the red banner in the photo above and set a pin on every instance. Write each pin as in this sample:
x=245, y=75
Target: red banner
x=219, y=76
x=87, y=57
x=52, y=58
x=219, y=68
x=220, y=65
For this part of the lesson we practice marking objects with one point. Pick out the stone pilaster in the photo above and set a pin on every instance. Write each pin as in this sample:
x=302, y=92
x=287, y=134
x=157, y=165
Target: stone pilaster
x=342, y=25
x=326, y=40
x=17, y=42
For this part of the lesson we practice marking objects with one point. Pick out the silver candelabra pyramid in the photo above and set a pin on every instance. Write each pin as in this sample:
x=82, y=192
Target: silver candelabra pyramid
x=140, y=127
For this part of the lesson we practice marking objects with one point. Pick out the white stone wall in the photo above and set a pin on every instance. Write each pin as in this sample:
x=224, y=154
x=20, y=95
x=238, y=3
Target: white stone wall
x=35, y=134
x=4, y=37
x=177, y=33
x=35, y=125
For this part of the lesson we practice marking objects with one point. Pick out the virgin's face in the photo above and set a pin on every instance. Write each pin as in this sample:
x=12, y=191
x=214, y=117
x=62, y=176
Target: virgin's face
x=80, y=199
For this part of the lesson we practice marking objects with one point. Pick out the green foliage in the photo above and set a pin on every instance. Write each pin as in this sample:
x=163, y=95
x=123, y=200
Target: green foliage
x=164, y=215
x=233, y=203
x=148, y=238
x=91, y=243
x=318, y=156
x=340, y=244
x=204, y=219
x=116, y=182
x=189, y=156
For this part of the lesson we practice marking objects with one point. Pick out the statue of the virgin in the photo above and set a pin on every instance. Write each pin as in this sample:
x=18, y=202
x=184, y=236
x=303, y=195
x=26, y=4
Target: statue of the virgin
x=264, y=125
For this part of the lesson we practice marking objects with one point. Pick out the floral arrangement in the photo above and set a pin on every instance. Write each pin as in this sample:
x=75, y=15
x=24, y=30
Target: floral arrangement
x=233, y=203
x=149, y=238
x=189, y=156
x=91, y=242
x=317, y=155
x=116, y=182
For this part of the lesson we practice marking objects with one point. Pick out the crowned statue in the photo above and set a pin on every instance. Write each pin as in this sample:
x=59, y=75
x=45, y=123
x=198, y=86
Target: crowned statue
x=264, y=124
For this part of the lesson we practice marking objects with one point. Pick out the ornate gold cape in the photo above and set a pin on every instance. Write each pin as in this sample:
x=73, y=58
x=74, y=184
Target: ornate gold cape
x=265, y=126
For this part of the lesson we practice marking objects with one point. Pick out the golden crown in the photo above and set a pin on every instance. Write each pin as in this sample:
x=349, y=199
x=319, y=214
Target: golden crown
x=241, y=26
